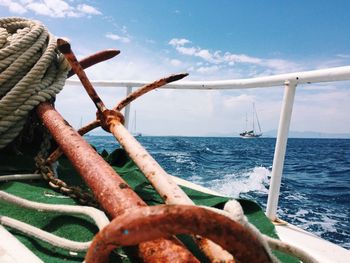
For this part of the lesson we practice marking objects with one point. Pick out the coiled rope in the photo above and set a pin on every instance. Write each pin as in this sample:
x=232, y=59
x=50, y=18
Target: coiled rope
x=31, y=72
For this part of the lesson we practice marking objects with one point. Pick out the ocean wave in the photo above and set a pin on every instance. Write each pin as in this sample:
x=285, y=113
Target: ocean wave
x=256, y=179
x=315, y=183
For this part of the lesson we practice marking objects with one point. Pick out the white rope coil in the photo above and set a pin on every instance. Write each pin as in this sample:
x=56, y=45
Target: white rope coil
x=31, y=72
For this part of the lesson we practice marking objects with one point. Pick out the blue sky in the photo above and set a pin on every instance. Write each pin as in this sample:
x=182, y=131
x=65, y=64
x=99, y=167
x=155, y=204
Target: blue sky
x=211, y=41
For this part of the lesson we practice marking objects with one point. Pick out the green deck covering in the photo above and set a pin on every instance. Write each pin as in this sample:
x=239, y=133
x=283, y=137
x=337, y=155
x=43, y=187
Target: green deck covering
x=80, y=228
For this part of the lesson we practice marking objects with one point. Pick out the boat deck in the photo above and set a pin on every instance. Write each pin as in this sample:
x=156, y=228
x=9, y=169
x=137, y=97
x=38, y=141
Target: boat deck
x=39, y=191
x=321, y=249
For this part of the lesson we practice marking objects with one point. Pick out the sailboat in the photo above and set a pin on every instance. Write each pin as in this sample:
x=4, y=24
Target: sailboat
x=133, y=128
x=252, y=133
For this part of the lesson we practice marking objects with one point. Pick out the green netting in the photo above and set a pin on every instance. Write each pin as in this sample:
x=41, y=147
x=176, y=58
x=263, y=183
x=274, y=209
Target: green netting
x=81, y=228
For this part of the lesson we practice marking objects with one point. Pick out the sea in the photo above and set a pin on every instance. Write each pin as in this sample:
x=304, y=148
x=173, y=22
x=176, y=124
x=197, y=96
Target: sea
x=315, y=190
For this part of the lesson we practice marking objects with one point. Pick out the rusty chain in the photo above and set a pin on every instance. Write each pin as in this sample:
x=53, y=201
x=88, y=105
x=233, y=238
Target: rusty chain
x=45, y=169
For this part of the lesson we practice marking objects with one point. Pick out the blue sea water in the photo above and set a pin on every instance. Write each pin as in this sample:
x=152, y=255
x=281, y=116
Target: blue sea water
x=315, y=190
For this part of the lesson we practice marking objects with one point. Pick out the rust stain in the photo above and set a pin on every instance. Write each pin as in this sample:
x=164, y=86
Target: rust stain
x=95, y=58
x=147, y=88
x=103, y=181
x=65, y=48
x=172, y=220
x=123, y=186
x=108, y=118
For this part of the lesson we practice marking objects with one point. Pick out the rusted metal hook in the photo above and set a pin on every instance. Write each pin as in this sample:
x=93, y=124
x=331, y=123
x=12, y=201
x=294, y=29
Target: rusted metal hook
x=65, y=48
x=86, y=63
x=110, y=190
x=131, y=97
x=111, y=121
x=144, y=89
x=95, y=59
x=136, y=226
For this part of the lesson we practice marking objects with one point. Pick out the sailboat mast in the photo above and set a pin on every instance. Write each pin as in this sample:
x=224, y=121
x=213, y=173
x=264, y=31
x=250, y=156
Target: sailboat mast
x=257, y=119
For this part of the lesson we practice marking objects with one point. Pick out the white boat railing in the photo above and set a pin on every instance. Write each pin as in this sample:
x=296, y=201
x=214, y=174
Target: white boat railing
x=289, y=81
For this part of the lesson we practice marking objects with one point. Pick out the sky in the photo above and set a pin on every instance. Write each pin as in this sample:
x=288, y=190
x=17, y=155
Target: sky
x=210, y=40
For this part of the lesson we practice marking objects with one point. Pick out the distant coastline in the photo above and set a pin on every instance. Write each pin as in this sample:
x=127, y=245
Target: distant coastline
x=268, y=134
x=310, y=135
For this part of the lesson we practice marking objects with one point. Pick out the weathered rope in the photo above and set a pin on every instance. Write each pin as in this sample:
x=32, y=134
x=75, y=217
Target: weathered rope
x=31, y=72
x=98, y=216
x=19, y=177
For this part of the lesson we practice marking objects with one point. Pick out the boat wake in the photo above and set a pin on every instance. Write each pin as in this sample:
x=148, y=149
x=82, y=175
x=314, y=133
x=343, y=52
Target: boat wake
x=254, y=180
x=254, y=184
x=315, y=186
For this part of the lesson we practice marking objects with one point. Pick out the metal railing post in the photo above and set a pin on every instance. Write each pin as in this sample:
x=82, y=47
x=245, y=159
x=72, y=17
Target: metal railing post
x=127, y=109
x=280, y=149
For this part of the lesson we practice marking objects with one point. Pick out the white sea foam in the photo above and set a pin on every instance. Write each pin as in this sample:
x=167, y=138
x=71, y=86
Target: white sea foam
x=328, y=224
x=180, y=157
x=196, y=179
x=301, y=213
x=318, y=222
x=235, y=184
x=295, y=197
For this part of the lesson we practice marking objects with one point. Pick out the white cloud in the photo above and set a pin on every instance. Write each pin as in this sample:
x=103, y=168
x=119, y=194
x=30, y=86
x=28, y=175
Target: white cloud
x=186, y=50
x=345, y=56
x=318, y=108
x=220, y=111
x=51, y=8
x=280, y=65
x=206, y=70
x=175, y=62
x=240, y=101
x=118, y=38
x=13, y=6
x=272, y=66
x=88, y=9
x=205, y=54
x=323, y=111
x=234, y=58
x=178, y=42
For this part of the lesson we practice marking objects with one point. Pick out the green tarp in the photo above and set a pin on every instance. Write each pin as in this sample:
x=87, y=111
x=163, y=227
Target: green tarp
x=80, y=228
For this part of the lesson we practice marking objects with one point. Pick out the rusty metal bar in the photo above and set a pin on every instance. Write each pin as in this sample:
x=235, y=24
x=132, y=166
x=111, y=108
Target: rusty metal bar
x=156, y=84
x=86, y=63
x=58, y=152
x=134, y=95
x=64, y=47
x=138, y=226
x=95, y=58
x=110, y=190
x=99, y=176
x=160, y=179
x=110, y=119
x=162, y=182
